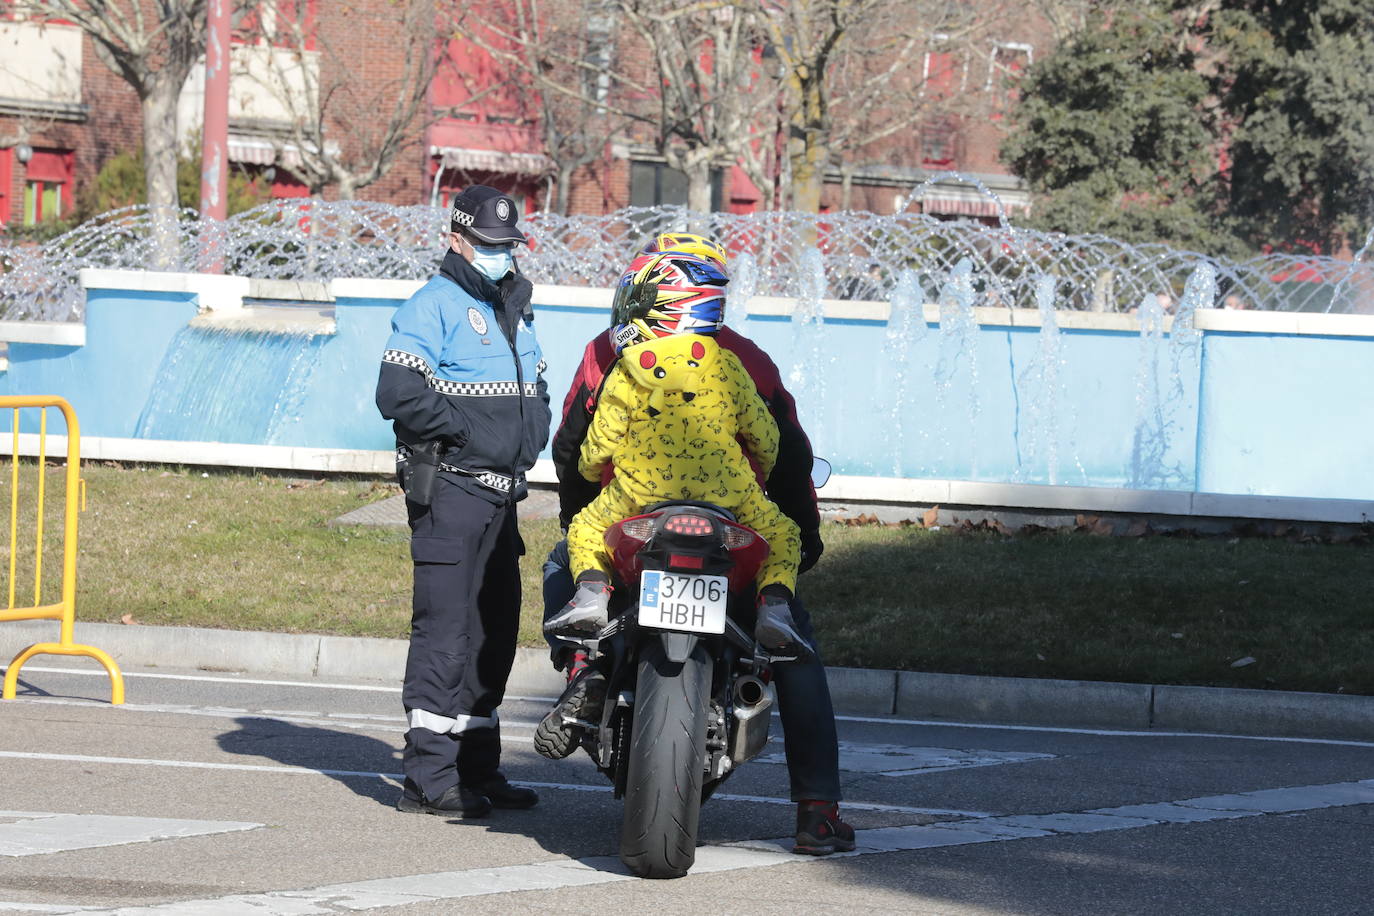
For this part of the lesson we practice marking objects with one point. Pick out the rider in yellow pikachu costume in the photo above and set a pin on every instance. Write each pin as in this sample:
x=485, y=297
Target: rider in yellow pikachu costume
x=667, y=419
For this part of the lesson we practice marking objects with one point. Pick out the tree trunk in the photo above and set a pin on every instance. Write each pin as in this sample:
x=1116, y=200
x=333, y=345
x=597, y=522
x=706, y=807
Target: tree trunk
x=699, y=184
x=564, y=189
x=160, y=172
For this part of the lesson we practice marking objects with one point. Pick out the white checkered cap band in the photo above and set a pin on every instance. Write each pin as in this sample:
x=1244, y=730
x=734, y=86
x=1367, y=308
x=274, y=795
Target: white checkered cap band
x=461, y=218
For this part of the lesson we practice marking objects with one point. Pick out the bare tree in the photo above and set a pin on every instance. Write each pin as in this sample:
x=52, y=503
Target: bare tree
x=856, y=73
x=347, y=120
x=559, y=57
x=152, y=45
x=712, y=90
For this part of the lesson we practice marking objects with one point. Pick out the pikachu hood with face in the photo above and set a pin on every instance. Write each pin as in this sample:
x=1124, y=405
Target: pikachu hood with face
x=670, y=367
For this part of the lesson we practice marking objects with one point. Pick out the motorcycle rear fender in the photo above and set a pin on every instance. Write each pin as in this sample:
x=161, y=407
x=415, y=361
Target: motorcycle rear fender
x=677, y=646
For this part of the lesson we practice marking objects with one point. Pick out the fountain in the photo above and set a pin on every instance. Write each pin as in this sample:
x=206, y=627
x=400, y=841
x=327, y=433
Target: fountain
x=1022, y=382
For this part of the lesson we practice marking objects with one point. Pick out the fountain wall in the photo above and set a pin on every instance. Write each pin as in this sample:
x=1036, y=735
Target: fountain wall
x=1215, y=412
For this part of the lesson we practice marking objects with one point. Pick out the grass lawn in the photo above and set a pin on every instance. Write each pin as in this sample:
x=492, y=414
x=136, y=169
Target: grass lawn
x=241, y=550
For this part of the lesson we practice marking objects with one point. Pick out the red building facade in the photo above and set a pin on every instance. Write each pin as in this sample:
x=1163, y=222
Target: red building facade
x=70, y=114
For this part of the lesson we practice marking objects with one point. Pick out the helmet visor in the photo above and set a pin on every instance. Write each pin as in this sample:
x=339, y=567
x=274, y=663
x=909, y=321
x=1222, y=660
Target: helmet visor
x=632, y=301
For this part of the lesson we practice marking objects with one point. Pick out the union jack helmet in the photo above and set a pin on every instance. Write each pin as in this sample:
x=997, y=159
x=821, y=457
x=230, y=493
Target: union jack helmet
x=698, y=246
x=667, y=293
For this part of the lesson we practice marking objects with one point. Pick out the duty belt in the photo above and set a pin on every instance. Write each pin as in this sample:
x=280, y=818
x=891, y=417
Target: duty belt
x=499, y=482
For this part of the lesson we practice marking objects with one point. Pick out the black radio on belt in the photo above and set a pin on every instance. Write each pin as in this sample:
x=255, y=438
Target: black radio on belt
x=419, y=470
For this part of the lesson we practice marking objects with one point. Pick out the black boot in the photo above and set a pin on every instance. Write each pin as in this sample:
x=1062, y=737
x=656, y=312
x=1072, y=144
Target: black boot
x=820, y=831
x=582, y=700
x=456, y=801
x=502, y=794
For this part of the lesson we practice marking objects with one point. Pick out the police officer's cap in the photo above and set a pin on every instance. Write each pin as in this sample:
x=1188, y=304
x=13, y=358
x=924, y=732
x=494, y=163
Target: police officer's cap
x=487, y=215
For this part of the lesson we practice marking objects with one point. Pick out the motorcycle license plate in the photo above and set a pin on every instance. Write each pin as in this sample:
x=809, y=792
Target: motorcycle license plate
x=682, y=601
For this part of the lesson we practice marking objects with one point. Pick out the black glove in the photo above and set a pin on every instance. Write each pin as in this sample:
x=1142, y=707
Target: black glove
x=811, y=549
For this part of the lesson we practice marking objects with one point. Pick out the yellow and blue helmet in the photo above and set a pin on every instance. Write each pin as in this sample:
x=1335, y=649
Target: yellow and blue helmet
x=667, y=293
x=698, y=246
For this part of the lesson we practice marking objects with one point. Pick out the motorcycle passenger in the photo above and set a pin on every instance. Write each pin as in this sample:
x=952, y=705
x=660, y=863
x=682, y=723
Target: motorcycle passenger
x=811, y=746
x=673, y=412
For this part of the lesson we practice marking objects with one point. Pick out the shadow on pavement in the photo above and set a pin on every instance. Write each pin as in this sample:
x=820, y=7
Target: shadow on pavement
x=355, y=760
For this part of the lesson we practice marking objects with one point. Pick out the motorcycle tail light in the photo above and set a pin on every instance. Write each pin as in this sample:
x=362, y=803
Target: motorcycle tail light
x=625, y=539
x=738, y=537
x=685, y=561
x=690, y=525
x=641, y=528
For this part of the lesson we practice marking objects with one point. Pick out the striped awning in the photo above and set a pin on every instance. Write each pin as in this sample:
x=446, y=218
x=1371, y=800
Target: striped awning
x=968, y=201
x=490, y=160
x=258, y=150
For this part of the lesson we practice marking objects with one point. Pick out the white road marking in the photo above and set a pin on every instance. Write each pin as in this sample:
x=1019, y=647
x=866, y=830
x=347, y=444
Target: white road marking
x=875, y=720
x=38, y=833
x=1101, y=732
x=396, y=778
x=563, y=873
x=899, y=760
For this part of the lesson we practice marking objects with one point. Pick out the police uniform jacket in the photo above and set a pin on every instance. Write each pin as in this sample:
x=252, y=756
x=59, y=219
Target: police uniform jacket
x=463, y=367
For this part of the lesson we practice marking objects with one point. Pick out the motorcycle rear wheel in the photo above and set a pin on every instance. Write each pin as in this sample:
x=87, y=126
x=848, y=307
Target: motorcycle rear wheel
x=658, y=838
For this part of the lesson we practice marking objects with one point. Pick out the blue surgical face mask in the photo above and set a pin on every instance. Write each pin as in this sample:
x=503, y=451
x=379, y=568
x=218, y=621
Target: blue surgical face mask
x=492, y=261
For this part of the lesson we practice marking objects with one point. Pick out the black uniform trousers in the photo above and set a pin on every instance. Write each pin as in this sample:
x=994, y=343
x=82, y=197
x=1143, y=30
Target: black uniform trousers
x=464, y=623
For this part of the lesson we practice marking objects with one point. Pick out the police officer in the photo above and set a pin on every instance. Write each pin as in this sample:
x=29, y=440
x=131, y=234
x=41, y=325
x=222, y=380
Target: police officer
x=462, y=379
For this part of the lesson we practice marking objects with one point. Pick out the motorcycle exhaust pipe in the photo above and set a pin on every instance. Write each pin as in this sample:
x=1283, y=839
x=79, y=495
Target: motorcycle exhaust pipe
x=749, y=731
x=750, y=694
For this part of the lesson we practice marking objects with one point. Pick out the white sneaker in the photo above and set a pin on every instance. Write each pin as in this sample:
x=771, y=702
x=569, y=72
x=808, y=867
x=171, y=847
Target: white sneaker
x=585, y=613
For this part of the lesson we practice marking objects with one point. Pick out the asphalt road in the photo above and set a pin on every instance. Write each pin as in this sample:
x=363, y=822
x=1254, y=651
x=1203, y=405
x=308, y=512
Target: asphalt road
x=220, y=793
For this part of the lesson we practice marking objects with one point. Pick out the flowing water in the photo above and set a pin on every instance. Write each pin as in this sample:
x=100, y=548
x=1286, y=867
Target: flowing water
x=229, y=384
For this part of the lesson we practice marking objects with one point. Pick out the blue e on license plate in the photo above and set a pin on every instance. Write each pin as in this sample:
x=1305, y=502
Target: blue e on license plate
x=682, y=601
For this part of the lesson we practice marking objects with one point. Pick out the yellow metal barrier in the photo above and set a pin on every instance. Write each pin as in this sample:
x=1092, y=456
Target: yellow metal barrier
x=65, y=609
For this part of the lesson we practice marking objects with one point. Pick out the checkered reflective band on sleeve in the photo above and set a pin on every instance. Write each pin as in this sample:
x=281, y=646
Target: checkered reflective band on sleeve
x=409, y=360
x=541, y=367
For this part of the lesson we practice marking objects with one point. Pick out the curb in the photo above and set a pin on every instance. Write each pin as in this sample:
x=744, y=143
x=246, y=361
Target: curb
x=854, y=691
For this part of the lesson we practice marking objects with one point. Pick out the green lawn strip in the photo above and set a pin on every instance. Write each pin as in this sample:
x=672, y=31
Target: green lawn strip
x=240, y=550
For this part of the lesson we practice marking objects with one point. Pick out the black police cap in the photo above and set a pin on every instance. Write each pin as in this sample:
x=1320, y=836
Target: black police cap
x=487, y=215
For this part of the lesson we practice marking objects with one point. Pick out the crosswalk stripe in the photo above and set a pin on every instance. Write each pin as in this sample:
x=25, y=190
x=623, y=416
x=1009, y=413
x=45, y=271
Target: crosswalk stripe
x=552, y=875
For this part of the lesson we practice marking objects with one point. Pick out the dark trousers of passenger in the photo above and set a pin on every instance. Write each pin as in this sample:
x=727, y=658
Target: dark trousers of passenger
x=808, y=719
x=464, y=623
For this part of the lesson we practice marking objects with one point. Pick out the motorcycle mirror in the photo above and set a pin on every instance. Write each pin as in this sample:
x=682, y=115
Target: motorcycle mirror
x=820, y=472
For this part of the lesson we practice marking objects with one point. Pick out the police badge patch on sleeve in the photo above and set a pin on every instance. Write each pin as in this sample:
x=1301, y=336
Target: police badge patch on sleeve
x=477, y=320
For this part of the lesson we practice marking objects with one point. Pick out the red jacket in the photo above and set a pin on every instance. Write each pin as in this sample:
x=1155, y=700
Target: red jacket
x=790, y=483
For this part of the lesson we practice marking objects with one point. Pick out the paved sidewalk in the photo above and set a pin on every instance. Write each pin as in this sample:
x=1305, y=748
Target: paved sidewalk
x=856, y=691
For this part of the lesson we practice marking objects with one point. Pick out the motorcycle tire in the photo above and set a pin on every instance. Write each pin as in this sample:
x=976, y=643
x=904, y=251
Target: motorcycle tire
x=658, y=838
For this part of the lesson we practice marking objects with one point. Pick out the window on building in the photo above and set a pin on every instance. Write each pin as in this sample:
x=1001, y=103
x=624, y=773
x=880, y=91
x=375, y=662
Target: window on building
x=654, y=184
x=939, y=142
x=1008, y=61
x=944, y=72
x=281, y=23
x=48, y=186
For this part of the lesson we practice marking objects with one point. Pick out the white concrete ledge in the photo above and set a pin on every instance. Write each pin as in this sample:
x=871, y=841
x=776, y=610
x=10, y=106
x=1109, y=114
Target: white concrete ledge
x=291, y=290
x=213, y=291
x=366, y=288
x=56, y=333
x=216, y=291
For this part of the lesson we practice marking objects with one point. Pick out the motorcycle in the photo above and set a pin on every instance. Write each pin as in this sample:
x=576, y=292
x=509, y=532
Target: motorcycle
x=687, y=699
